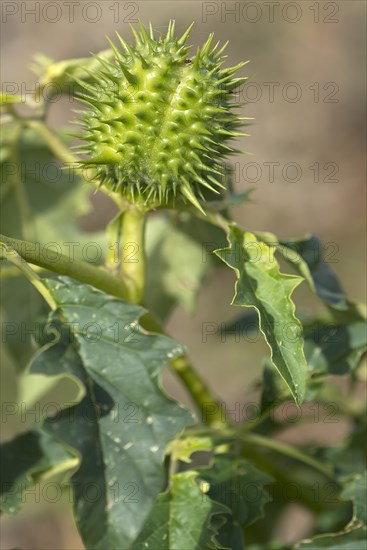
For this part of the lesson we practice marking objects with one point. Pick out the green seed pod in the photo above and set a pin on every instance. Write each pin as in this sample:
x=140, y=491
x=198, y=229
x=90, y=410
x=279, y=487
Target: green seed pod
x=159, y=121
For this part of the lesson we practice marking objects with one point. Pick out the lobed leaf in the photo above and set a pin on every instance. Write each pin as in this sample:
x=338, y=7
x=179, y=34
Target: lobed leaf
x=261, y=285
x=238, y=485
x=122, y=426
x=307, y=256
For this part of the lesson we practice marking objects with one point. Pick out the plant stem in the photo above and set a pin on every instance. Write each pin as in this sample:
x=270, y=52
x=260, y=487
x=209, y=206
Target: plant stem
x=133, y=269
x=86, y=273
x=211, y=410
x=8, y=272
x=20, y=193
x=288, y=450
x=217, y=219
x=54, y=143
x=128, y=287
x=212, y=413
x=8, y=253
x=132, y=250
x=253, y=440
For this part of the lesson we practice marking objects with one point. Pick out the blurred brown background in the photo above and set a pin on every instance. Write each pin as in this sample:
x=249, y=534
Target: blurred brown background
x=307, y=93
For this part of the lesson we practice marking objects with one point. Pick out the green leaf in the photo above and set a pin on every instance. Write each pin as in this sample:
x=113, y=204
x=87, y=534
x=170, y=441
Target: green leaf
x=331, y=346
x=56, y=197
x=274, y=391
x=356, y=491
x=179, y=260
x=182, y=449
x=249, y=322
x=238, y=485
x=354, y=535
x=335, y=348
x=23, y=462
x=122, y=426
x=306, y=255
x=181, y=518
x=37, y=396
x=261, y=285
x=349, y=456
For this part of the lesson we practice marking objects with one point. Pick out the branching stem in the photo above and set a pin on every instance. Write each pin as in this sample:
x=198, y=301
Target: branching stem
x=82, y=271
x=102, y=280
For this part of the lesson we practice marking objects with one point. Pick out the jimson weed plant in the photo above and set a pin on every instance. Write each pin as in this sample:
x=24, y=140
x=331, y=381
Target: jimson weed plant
x=156, y=128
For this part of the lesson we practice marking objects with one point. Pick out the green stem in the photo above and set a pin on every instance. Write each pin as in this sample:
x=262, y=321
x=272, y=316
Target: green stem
x=133, y=251
x=21, y=196
x=132, y=288
x=8, y=272
x=212, y=412
x=54, y=143
x=12, y=256
x=133, y=269
x=253, y=440
x=288, y=450
x=86, y=273
x=217, y=219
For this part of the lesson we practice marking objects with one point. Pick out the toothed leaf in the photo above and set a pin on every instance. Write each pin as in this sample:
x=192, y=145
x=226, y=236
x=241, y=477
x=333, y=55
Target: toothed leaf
x=261, y=285
x=123, y=424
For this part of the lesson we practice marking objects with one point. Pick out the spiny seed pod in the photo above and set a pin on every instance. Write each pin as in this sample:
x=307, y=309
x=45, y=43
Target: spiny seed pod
x=159, y=122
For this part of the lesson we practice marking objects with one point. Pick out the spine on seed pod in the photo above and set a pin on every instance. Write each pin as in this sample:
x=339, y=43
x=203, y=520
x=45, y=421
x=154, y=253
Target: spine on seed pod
x=159, y=123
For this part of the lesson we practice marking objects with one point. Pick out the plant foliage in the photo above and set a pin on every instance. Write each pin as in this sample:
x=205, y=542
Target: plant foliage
x=146, y=472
